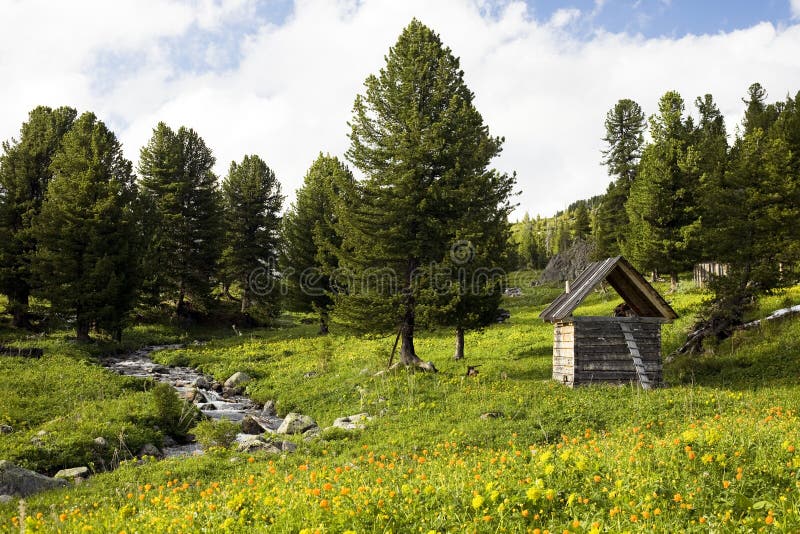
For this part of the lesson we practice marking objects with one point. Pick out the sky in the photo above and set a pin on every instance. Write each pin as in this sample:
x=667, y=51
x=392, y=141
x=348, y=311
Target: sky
x=278, y=78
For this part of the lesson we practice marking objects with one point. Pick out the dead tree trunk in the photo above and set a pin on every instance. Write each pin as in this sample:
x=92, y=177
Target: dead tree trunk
x=459, y=353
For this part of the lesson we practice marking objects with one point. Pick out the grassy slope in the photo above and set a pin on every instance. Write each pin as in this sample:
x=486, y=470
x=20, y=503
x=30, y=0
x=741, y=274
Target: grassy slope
x=609, y=458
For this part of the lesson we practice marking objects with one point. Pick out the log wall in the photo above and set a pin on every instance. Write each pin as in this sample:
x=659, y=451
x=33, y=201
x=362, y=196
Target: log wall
x=593, y=349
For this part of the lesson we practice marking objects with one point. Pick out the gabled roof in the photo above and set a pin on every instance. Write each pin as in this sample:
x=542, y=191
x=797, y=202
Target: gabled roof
x=643, y=299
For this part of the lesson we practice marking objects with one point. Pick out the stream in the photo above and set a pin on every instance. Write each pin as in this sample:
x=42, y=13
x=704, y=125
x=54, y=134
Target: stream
x=207, y=394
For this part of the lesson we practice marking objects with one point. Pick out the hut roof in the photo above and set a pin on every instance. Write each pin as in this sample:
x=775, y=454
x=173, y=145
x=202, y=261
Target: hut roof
x=643, y=299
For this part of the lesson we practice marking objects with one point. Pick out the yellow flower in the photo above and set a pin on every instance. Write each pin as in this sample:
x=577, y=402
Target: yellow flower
x=477, y=501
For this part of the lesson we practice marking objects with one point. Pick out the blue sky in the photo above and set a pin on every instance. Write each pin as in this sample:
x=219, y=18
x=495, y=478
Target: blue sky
x=278, y=78
x=671, y=18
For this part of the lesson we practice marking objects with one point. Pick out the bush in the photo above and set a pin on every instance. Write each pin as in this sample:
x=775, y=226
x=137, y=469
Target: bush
x=220, y=433
x=175, y=415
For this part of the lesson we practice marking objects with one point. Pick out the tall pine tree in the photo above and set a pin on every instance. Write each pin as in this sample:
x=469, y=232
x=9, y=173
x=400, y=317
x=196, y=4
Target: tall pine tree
x=309, y=239
x=177, y=177
x=85, y=262
x=625, y=124
x=252, y=202
x=662, y=206
x=24, y=175
x=421, y=145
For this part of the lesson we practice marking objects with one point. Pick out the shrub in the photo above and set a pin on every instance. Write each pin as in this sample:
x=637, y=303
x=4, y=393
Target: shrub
x=220, y=433
x=175, y=415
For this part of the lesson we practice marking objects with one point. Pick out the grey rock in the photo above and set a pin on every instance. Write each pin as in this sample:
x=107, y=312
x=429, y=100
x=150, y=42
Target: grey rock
x=288, y=446
x=201, y=383
x=295, y=423
x=251, y=426
x=208, y=407
x=5, y=429
x=255, y=443
x=167, y=441
x=193, y=395
x=352, y=422
x=310, y=374
x=148, y=449
x=491, y=415
x=237, y=379
x=269, y=408
x=101, y=442
x=6, y=499
x=73, y=473
x=228, y=392
x=23, y=482
x=312, y=433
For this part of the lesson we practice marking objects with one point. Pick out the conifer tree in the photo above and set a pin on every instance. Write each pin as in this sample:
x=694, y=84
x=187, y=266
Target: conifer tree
x=177, y=177
x=24, y=176
x=310, y=241
x=85, y=261
x=424, y=151
x=625, y=124
x=252, y=202
x=662, y=206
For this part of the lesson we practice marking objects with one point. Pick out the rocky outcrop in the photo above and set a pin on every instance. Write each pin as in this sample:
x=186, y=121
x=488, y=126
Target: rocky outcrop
x=23, y=482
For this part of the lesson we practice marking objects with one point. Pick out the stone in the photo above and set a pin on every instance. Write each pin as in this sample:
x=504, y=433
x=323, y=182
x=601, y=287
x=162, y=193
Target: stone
x=193, y=395
x=73, y=473
x=312, y=433
x=101, y=442
x=237, y=379
x=352, y=422
x=255, y=443
x=5, y=429
x=4, y=499
x=288, y=446
x=201, y=383
x=208, y=407
x=228, y=392
x=148, y=449
x=269, y=408
x=23, y=482
x=251, y=426
x=491, y=415
x=168, y=441
x=295, y=423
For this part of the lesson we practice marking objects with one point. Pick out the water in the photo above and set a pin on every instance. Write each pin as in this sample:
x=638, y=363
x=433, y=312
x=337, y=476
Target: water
x=210, y=396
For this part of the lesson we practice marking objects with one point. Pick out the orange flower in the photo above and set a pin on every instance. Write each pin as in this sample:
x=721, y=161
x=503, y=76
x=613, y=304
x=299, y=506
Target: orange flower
x=726, y=484
x=324, y=503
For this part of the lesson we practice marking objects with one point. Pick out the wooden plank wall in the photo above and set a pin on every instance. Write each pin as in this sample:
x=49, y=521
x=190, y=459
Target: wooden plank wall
x=564, y=353
x=593, y=349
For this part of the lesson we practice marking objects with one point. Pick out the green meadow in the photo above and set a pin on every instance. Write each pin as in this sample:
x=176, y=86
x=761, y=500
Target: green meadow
x=715, y=450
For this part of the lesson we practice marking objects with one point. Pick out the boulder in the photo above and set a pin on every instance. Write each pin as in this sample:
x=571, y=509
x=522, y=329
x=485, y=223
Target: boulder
x=201, y=382
x=148, y=449
x=251, y=426
x=6, y=499
x=73, y=473
x=269, y=408
x=295, y=423
x=352, y=422
x=237, y=379
x=256, y=443
x=312, y=433
x=100, y=442
x=5, y=429
x=23, y=482
x=193, y=395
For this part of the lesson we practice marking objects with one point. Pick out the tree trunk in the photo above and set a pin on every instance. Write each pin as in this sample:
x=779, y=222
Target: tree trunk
x=408, y=356
x=18, y=306
x=459, y=354
x=323, y=323
x=82, y=331
x=245, y=298
x=673, y=281
x=181, y=296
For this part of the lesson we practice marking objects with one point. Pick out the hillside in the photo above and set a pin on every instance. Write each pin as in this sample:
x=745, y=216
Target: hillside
x=714, y=450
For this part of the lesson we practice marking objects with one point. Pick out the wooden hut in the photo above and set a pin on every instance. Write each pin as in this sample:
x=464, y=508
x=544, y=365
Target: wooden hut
x=618, y=349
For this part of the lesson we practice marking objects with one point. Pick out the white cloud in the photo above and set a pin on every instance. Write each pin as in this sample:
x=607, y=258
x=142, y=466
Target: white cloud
x=563, y=17
x=794, y=5
x=291, y=94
